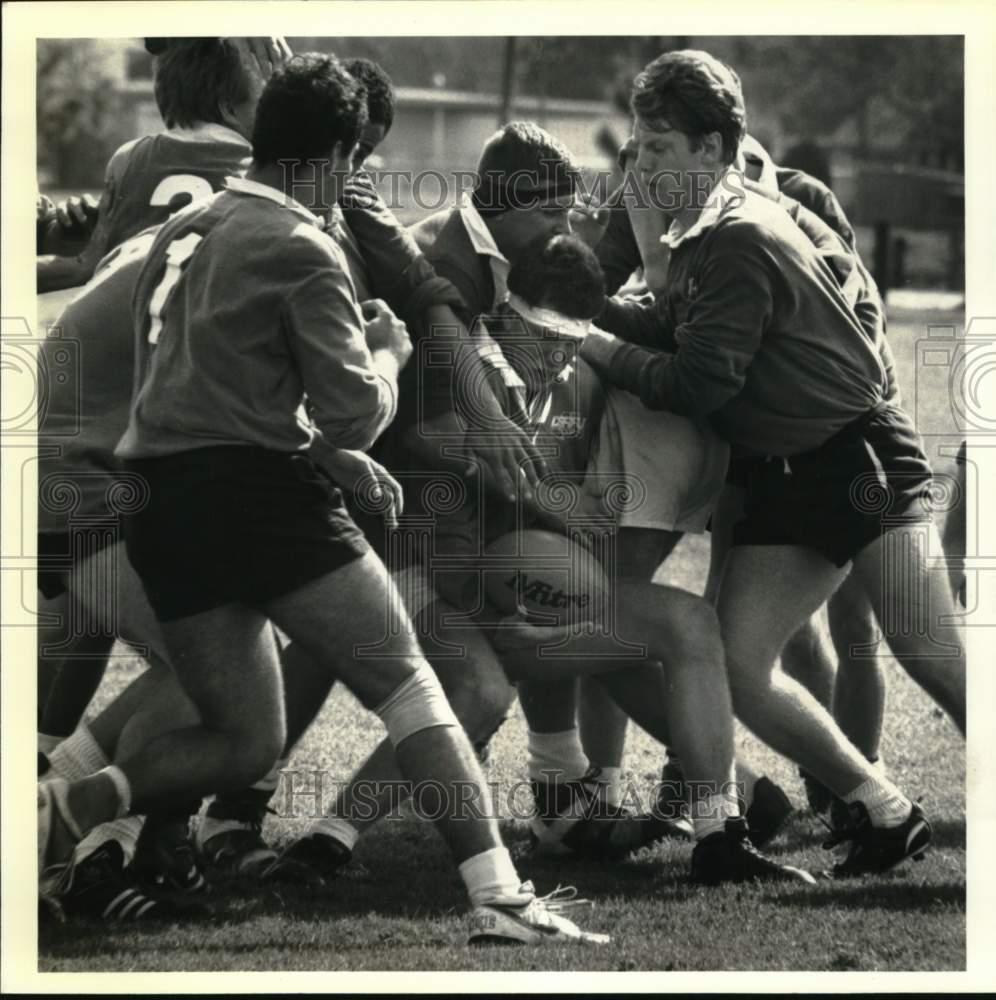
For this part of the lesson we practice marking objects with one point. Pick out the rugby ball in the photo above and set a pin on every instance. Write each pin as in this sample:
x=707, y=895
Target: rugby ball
x=553, y=579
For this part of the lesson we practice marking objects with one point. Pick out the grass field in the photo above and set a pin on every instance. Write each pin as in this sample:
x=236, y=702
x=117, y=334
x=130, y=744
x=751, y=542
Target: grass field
x=400, y=906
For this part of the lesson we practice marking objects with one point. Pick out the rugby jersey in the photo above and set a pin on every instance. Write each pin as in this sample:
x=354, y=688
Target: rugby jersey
x=153, y=176
x=760, y=335
x=88, y=366
x=242, y=306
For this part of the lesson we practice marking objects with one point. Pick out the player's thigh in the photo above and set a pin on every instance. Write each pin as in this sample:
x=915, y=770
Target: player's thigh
x=111, y=592
x=768, y=592
x=354, y=623
x=729, y=509
x=911, y=598
x=226, y=662
x=640, y=551
x=851, y=616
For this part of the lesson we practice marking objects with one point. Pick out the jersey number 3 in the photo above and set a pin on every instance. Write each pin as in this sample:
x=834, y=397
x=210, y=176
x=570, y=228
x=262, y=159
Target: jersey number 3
x=177, y=255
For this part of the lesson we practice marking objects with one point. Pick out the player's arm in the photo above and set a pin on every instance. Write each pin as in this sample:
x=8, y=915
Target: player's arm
x=349, y=365
x=718, y=339
x=645, y=323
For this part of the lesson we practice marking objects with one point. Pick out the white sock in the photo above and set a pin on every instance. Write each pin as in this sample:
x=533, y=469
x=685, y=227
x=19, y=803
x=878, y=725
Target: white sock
x=886, y=804
x=124, y=830
x=121, y=785
x=269, y=782
x=47, y=743
x=490, y=874
x=746, y=780
x=334, y=826
x=78, y=755
x=611, y=790
x=556, y=757
x=709, y=814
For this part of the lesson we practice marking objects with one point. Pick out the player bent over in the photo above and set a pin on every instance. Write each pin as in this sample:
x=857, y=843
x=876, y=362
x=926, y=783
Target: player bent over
x=761, y=338
x=242, y=307
x=558, y=281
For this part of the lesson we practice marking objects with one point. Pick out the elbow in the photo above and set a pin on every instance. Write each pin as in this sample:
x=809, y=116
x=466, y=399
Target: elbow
x=360, y=430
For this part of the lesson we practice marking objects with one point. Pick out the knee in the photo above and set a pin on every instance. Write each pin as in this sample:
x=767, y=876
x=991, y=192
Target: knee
x=695, y=631
x=481, y=701
x=255, y=751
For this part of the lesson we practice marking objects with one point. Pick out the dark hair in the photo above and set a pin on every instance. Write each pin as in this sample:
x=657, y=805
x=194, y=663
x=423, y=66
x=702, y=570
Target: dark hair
x=560, y=273
x=306, y=108
x=694, y=93
x=380, y=90
x=196, y=79
x=521, y=165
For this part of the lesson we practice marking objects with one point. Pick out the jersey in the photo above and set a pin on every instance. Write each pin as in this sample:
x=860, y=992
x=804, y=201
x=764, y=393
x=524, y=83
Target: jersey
x=150, y=178
x=244, y=305
x=88, y=363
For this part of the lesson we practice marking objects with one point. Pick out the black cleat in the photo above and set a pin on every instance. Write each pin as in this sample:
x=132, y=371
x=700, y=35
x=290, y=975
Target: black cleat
x=230, y=836
x=99, y=888
x=729, y=856
x=769, y=810
x=164, y=856
x=312, y=860
x=877, y=849
x=572, y=818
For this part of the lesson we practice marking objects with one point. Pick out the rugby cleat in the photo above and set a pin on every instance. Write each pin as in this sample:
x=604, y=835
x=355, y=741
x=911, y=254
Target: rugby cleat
x=729, y=856
x=769, y=810
x=876, y=849
x=528, y=919
x=164, y=856
x=57, y=832
x=230, y=835
x=572, y=818
x=99, y=888
x=312, y=860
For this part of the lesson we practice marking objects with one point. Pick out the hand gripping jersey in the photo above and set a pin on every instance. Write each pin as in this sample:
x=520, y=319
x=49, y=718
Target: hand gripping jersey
x=150, y=178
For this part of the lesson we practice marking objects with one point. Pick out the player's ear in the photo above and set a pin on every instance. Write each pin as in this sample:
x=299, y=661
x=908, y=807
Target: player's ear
x=712, y=149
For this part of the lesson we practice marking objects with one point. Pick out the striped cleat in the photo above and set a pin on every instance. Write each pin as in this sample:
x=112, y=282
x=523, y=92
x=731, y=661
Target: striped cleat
x=528, y=919
x=98, y=888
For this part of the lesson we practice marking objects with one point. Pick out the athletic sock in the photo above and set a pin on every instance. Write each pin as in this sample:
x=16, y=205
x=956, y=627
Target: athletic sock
x=710, y=813
x=47, y=743
x=124, y=830
x=78, y=755
x=337, y=828
x=556, y=757
x=488, y=875
x=886, y=804
x=747, y=778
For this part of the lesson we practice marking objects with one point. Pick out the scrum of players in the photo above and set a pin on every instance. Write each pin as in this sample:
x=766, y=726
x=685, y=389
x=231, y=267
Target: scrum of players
x=257, y=408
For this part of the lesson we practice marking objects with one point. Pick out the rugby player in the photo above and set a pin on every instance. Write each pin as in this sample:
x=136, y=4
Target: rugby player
x=761, y=338
x=242, y=529
x=558, y=280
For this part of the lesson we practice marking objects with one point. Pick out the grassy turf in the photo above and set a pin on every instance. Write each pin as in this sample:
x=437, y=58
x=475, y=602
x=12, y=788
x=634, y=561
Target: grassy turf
x=400, y=906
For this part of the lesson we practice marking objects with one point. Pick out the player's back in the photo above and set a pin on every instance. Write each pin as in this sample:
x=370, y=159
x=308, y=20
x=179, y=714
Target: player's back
x=88, y=361
x=150, y=178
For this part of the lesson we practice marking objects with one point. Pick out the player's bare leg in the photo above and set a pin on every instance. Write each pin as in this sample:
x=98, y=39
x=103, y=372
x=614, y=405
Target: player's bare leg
x=480, y=695
x=915, y=608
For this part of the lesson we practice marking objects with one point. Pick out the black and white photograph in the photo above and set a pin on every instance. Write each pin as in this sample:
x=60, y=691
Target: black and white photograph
x=486, y=496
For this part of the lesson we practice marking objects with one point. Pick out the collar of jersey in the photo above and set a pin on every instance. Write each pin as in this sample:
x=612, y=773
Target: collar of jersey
x=480, y=236
x=716, y=204
x=212, y=131
x=243, y=186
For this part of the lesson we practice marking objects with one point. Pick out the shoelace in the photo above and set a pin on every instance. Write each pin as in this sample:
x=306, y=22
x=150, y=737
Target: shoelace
x=564, y=897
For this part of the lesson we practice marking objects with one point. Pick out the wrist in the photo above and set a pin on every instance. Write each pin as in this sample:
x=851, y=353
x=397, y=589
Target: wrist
x=599, y=348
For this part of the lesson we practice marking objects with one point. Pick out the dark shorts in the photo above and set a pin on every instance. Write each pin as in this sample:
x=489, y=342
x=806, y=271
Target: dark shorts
x=840, y=497
x=235, y=524
x=57, y=552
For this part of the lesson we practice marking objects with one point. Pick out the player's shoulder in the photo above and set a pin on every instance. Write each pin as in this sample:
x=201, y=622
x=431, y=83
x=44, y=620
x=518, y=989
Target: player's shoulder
x=428, y=231
x=753, y=222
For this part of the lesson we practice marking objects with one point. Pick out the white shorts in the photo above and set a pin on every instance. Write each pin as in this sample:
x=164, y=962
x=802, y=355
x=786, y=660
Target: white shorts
x=675, y=467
